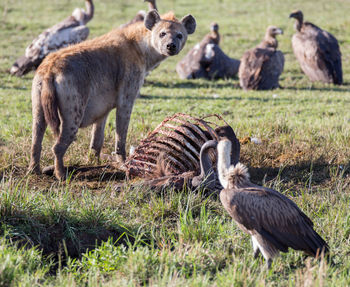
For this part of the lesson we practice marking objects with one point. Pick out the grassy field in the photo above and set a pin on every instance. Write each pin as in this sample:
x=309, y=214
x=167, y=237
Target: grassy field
x=83, y=232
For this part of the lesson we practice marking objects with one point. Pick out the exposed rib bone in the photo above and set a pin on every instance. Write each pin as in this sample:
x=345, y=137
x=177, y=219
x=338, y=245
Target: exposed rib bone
x=169, y=156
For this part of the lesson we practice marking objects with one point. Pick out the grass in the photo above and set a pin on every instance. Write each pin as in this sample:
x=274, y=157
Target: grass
x=84, y=232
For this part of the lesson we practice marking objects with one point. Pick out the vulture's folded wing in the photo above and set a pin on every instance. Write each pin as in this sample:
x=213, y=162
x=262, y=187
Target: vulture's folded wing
x=275, y=217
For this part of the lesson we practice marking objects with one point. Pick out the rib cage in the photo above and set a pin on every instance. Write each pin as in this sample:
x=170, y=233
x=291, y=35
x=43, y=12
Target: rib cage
x=180, y=138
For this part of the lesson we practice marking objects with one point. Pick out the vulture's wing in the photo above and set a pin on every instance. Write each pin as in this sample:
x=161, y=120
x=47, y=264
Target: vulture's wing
x=274, y=216
x=306, y=51
x=67, y=23
x=60, y=35
x=271, y=70
x=194, y=64
x=329, y=55
x=222, y=66
x=251, y=66
x=318, y=54
x=198, y=60
x=139, y=17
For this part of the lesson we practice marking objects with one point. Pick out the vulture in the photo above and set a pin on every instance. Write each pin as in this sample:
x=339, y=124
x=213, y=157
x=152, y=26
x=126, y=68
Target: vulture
x=261, y=67
x=317, y=52
x=274, y=222
x=72, y=30
x=140, y=16
x=207, y=60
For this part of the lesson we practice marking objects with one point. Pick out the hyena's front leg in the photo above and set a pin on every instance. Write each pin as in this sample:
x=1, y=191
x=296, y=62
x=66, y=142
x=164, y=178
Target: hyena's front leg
x=97, y=137
x=122, y=124
x=124, y=109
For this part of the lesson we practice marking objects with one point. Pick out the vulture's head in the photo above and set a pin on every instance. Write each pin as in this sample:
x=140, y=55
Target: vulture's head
x=273, y=31
x=214, y=27
x=298, y=15
x=228, y=133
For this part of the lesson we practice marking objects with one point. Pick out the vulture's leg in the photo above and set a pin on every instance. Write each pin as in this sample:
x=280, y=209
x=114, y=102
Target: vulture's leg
x=265, y=248
x=97, y=137
x=269, y=263
x=256, y=250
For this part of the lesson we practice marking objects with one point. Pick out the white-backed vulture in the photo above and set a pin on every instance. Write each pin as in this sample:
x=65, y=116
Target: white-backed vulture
x=274, y=222
x=140, y=16
x=317, y=51
x=262, y=66
x=207, y=60
x=70, y=31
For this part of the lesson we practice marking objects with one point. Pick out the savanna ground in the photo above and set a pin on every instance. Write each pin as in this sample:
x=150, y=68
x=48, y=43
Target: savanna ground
x=83, y=232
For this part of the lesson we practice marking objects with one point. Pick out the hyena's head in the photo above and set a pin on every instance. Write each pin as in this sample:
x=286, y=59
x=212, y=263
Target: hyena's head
x=168, y=34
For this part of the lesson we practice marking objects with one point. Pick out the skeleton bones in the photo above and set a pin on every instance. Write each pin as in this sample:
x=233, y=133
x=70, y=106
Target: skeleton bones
x=177, y=153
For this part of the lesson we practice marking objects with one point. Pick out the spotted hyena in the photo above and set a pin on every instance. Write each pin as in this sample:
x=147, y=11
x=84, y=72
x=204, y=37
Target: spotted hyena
x=78, y=86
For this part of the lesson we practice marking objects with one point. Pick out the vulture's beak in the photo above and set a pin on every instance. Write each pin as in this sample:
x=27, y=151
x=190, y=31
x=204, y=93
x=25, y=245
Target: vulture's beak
x=279, y=31
x=292, y=15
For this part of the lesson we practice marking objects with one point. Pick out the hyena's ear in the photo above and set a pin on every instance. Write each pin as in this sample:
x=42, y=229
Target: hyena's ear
x=151, y=19
x=190, y=23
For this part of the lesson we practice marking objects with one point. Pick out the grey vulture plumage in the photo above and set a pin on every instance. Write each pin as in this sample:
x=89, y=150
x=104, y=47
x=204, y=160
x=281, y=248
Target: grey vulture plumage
x=262, y=66
x=70, y=31
x=274, y=222
x=317, y=52
x=207, y=60
x=140, y=16
x=179, y=152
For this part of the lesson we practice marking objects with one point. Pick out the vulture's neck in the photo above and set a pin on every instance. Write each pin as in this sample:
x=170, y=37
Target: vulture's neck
x=89, y=6
x=298, y=23
x=269, y=42
x=224, y=162
x=152, y=5
x=206, y=177
x=215, y=36
x=231, y=177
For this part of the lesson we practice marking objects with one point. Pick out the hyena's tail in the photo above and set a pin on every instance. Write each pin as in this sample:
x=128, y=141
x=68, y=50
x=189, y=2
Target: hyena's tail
x=49, y=103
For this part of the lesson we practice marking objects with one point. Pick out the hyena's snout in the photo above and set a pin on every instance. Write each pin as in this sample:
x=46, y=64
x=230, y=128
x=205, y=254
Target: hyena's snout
x=172, y=48
x=174, y=45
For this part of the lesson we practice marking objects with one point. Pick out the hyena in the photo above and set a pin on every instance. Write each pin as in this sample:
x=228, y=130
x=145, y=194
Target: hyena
x=78, y=86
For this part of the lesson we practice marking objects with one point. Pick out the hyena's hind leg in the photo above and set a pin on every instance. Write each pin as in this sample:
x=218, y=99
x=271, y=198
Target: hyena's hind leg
x=66, y=137
x=97, y=137
x=38, y=127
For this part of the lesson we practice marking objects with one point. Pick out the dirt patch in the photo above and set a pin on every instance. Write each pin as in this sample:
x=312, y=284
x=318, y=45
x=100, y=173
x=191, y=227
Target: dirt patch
x=63, y=239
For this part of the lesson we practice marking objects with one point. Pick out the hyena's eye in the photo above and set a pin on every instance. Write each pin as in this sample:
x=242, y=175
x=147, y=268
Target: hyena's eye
x=179, y=36
x=162, y=34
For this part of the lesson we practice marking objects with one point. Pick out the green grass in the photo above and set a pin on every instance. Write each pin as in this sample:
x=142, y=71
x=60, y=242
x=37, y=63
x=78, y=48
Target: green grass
x=84, y=232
